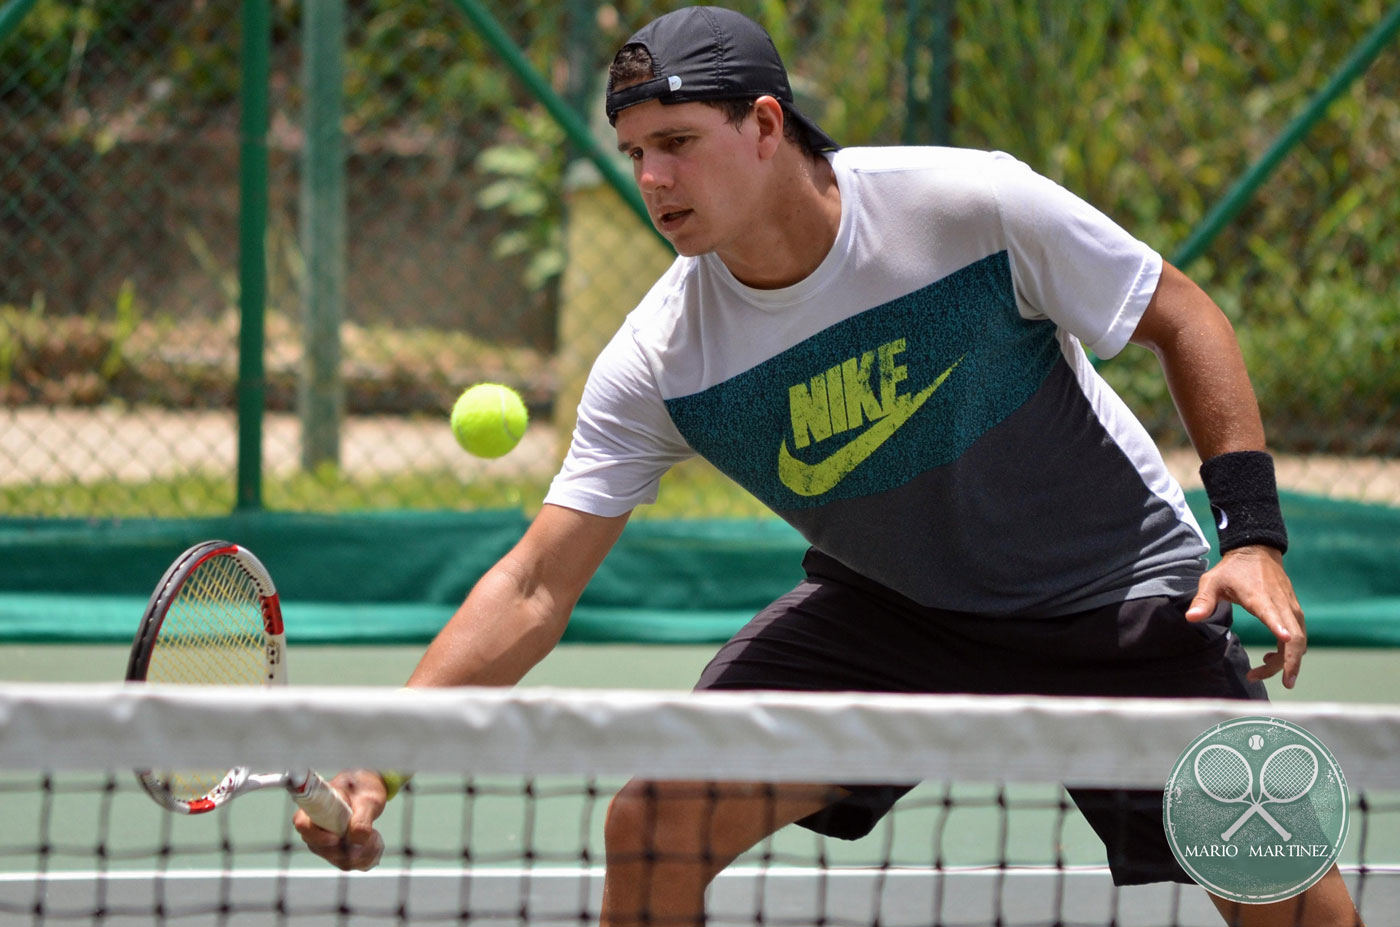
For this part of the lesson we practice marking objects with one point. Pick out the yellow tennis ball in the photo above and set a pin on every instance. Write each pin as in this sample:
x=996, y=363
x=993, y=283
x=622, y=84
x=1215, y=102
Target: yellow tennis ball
x=489, y=419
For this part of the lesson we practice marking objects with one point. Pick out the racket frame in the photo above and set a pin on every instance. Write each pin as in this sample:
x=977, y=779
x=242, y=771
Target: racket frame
x=1256, y=803
x=173, y=582
x=312, y=793
x=1266, y=797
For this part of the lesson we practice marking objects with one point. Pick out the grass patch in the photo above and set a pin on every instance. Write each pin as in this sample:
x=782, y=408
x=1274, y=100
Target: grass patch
x=198, y=495
x=692, y=490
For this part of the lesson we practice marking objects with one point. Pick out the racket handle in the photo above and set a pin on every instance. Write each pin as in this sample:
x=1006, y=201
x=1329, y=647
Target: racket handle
x=322, y=804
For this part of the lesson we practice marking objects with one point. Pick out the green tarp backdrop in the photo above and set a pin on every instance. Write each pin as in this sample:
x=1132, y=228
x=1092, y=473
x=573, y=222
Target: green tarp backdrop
x=666, y=582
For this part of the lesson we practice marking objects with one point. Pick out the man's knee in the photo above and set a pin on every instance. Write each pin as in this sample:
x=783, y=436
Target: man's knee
x=680, y=823
x=664, y=824
x=630, y=825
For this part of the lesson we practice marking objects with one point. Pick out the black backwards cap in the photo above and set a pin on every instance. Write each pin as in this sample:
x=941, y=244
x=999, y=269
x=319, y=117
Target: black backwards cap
x=710, y=53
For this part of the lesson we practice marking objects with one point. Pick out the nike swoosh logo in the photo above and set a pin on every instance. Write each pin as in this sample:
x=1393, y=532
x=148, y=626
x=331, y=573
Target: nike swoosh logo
x=816, y=478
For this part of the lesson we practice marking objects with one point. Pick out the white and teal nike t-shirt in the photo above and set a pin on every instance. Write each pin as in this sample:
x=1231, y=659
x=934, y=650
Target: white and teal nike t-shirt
x=920, y=407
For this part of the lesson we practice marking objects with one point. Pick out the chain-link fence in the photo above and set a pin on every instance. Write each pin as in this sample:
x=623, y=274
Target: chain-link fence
x=429, y=225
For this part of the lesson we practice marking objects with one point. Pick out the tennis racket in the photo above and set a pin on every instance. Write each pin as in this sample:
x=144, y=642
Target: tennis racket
x=1286, y=776
x=1224, y=774
x=214, y=619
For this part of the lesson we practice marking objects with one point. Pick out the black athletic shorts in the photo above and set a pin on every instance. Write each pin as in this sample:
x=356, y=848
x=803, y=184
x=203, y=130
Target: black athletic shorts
x=840, y=632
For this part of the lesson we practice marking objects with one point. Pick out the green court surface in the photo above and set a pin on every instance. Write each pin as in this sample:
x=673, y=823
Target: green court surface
x=1329, y=674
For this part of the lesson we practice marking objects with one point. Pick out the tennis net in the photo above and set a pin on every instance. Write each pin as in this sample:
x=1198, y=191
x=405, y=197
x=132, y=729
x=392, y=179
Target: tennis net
x=503, y=822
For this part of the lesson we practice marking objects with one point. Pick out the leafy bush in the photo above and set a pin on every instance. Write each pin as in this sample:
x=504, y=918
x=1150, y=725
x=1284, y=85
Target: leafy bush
x=1148, y=109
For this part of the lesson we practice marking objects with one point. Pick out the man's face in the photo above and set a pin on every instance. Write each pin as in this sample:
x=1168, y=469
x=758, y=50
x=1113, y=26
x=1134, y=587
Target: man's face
x=697, y=172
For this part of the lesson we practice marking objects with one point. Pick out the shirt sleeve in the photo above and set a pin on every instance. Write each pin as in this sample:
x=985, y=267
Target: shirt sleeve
x=1071, y=263
x=624, y=440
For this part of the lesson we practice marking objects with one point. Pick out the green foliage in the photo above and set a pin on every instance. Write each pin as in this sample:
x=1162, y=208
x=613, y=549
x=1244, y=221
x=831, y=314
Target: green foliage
x=416, y=62
x=68, y=359
x=1148, y=109
x=40, y=54
x=1327, y=375
x=1152, y=110
x=1324, y=373
x=419, y=62
x=528, y=172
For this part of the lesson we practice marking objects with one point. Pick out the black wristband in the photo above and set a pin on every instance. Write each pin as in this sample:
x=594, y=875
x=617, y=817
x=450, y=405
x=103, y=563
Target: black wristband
x=1244, y=500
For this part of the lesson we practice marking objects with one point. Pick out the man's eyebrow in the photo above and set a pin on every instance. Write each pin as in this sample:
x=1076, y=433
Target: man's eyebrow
x=666, y=132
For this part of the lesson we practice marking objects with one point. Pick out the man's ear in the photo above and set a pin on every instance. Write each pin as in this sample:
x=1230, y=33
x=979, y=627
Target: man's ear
x=768, y=116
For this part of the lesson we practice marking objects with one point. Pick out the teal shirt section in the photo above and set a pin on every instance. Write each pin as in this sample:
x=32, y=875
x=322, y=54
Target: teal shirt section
x=871, y=402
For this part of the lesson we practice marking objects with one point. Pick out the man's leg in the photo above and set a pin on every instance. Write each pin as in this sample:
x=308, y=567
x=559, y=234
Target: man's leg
x=667, y=840
x=1326, y=904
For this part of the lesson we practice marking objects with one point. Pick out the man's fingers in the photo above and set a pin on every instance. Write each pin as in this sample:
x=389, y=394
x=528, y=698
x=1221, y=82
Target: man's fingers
x=361, y=846
x=1284, y=617
x=313, y=835
x=359, y=849
x=1253, y=578
x=361, y=856
x=1203, y=605
x=1273, y=662
x=1293, y=650
x=318, y=839
x=361, y=829
x=1287, y=629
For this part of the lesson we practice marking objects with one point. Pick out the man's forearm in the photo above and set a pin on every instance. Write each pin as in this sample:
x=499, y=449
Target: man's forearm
x=1204, y=369
x=495, y=637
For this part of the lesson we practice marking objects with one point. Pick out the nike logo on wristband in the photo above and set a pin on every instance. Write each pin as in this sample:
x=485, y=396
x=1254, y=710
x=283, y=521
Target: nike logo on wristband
x=1222, y=520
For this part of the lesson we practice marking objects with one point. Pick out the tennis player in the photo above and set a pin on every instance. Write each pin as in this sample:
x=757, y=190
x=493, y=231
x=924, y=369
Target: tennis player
x=887, y=347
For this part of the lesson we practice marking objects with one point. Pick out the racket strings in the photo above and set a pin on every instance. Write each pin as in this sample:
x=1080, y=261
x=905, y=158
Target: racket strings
x=1288, y=773
x=212, y=635
x=1224, y=774
x=213, y=632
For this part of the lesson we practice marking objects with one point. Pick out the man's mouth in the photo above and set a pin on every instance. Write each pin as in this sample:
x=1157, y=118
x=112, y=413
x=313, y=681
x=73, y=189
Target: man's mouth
x=672, y=218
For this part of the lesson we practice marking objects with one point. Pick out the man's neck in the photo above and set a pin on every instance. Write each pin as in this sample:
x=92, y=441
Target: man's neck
x=804, y=214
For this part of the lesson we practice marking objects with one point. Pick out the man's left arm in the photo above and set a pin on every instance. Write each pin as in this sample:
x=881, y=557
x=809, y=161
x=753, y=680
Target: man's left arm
x=1206, y=375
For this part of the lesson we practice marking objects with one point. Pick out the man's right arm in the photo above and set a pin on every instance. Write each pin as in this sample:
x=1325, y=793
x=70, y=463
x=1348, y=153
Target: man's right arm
x=512, y=618
x=517, y=611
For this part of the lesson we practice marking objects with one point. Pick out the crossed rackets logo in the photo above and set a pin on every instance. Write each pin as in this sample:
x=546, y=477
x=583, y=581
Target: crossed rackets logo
x=1225, y=775
x=1264, y=768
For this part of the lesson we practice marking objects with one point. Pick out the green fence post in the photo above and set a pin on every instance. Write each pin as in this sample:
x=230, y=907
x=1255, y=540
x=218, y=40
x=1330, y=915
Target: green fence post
x=915, y=109
x=321, y=394
x=582, y=35
x=1238, y=195
x=928, y=115
x=252, y=255
x=941, y=73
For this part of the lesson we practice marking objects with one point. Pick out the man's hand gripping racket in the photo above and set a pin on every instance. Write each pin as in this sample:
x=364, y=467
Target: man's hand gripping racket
x=214, y=619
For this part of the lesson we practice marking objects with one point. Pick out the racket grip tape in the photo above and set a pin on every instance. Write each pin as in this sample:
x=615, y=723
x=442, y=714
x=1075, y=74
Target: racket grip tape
x=322, y=804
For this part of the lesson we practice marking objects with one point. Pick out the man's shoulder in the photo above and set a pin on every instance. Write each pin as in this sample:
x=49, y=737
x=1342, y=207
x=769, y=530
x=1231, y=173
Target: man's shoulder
x=667, y=295
x=915, y=158
x=953, y=191
x=669, y=310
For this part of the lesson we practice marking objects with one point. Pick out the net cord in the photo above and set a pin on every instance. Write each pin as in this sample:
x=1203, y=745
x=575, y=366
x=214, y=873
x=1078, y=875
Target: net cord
x=772, y=736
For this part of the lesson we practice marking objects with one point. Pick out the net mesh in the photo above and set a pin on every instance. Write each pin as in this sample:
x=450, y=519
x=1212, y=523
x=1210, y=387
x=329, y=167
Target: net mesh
x=505, y=821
